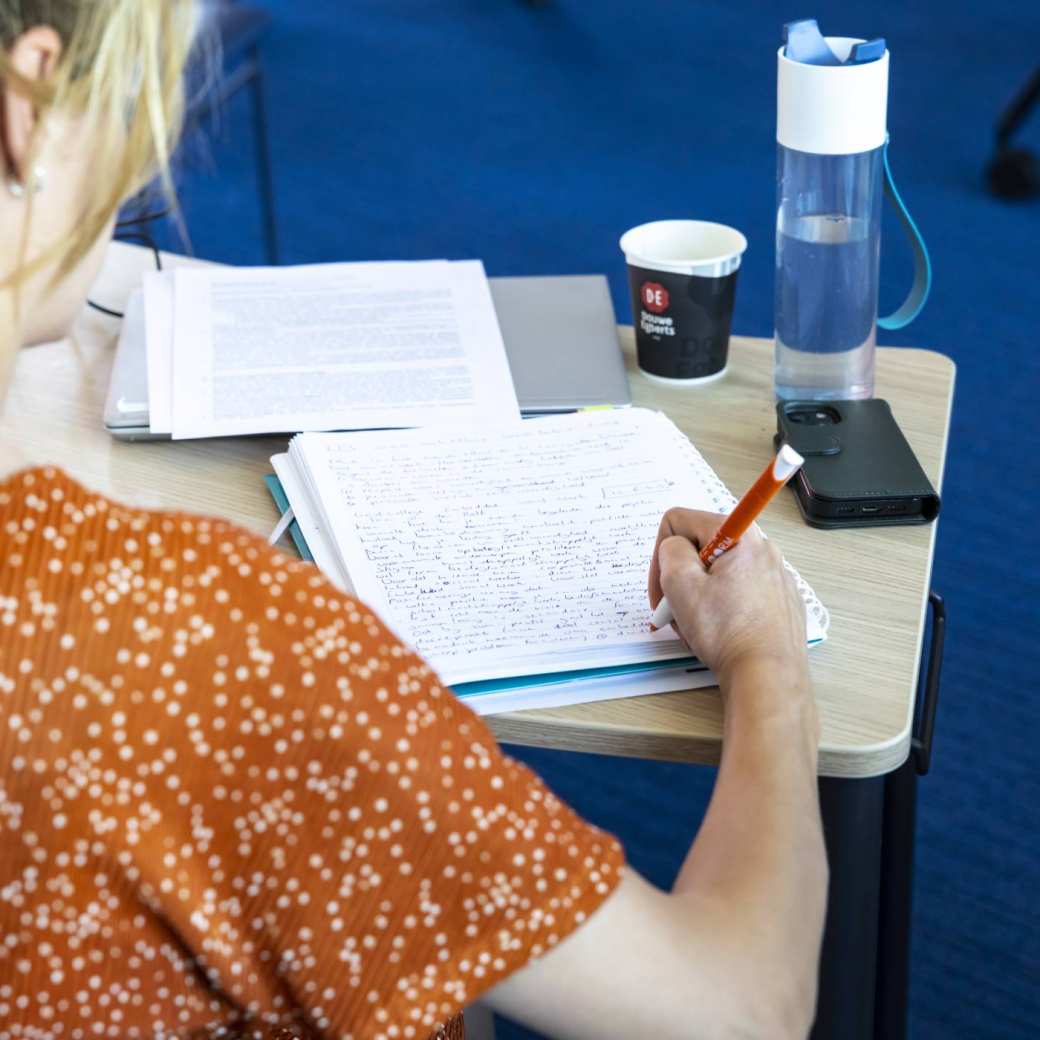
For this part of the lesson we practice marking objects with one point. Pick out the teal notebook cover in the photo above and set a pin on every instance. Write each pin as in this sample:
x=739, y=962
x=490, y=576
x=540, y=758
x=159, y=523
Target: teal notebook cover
x=476, y=689
x=274, y=485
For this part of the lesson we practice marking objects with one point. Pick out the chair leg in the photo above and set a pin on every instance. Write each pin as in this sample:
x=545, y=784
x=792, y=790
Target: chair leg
x=265, y=178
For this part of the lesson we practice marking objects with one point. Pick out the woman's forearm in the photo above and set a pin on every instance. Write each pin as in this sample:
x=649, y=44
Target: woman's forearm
x=759, y=856
x=732, y=951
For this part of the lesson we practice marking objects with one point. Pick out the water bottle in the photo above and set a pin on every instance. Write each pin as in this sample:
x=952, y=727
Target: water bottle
x=831, y=169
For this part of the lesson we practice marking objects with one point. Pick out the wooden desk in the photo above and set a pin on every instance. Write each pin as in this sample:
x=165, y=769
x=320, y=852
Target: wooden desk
x=874, y=583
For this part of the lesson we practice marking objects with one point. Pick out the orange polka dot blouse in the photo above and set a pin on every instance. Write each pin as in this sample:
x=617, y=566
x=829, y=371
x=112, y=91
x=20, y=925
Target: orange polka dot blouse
x=233, y=804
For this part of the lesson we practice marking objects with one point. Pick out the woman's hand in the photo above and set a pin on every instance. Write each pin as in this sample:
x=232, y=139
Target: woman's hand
x=745, y=611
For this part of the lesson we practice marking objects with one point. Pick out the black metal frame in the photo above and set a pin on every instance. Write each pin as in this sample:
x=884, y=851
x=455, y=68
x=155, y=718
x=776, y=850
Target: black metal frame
x=1014, y=173
x=249, y=74
x=869, y=828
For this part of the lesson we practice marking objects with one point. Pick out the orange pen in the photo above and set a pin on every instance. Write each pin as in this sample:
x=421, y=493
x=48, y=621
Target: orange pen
x=758, y=496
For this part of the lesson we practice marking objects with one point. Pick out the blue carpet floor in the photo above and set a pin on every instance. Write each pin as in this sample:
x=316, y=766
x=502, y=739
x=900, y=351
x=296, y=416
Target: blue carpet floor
x=531, y=137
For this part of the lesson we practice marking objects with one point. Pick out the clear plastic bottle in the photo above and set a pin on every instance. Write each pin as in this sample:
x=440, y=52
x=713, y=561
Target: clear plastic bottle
x=831, y=133
x=828, y=230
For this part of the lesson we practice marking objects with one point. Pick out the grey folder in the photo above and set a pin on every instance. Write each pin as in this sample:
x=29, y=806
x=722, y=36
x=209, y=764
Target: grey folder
x=560, y=335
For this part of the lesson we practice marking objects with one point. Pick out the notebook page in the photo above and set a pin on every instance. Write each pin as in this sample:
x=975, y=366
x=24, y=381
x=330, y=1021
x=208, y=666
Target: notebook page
x=511, y=552
x=336, y=346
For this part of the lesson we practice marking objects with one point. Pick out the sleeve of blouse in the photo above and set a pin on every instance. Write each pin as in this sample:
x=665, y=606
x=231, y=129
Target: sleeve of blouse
x=372, y=857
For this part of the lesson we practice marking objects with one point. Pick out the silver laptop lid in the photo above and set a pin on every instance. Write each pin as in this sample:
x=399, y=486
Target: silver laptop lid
x=560, y=336
x=126, y=407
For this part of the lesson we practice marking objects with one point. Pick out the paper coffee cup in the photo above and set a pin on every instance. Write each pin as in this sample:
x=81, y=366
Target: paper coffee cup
x=683, y=276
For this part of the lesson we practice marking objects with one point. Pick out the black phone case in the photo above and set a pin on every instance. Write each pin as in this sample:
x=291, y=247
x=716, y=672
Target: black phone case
x=859, y=471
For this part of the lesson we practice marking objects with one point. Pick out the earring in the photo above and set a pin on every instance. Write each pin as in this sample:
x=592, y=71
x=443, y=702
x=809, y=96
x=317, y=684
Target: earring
x=33, y=184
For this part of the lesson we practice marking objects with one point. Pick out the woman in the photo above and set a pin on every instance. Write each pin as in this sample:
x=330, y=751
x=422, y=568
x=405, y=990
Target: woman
x=232, y=804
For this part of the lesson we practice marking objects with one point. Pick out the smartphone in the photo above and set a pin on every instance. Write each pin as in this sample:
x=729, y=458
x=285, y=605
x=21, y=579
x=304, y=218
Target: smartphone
x=859, y=469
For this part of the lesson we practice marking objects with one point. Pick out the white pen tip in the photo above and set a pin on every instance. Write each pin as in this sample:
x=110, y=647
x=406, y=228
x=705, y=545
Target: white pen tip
x=788, y=463
x=662, y=616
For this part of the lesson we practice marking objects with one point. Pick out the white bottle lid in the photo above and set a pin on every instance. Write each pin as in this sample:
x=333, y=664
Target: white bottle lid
x=832, y=109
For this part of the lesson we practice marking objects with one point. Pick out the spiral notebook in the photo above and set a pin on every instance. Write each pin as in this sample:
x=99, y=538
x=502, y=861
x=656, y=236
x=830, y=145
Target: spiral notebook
x=514, y=559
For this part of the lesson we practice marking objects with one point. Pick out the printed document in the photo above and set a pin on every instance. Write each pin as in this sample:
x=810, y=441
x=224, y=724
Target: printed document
x=335, y=347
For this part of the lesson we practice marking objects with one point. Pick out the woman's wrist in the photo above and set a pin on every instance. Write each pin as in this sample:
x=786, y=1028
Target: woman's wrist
x=770, y=688
x=763, y=667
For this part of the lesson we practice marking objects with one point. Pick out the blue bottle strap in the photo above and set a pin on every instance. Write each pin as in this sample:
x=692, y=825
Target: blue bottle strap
x=918, y=295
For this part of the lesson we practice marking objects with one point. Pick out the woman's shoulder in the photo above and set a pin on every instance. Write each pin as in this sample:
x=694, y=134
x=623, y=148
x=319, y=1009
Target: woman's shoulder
x=48, y=520
x=185, y=611
x=105, y=572
x=45, y=499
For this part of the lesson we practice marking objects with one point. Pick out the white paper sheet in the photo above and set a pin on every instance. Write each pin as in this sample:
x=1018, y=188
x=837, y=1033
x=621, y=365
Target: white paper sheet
x=316, y=534
x=337, y=346
x=584, y=691
x=516, y=551
x=158, y=322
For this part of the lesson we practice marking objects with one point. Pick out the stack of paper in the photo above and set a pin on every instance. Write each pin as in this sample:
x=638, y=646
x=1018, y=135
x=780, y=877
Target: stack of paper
x=327, y=347
x=513, y=559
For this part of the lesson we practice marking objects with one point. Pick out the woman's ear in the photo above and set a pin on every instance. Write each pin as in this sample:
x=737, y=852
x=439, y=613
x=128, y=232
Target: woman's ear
x=34, y=56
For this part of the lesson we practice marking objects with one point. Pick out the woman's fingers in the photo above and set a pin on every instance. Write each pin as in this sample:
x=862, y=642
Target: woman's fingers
x=695, y=526
x=680, y=565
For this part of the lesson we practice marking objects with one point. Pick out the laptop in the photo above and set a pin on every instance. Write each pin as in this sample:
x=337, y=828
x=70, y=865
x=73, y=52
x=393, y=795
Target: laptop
x=560, y=335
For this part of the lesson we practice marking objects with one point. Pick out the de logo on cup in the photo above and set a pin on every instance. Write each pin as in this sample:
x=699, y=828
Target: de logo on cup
x=683, y=275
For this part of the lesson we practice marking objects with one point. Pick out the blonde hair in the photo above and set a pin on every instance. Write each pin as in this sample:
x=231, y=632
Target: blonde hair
x=121, y=69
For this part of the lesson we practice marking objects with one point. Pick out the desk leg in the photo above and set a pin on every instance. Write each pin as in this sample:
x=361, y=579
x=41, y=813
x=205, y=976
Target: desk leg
x=897, y=877
x=853, y=824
